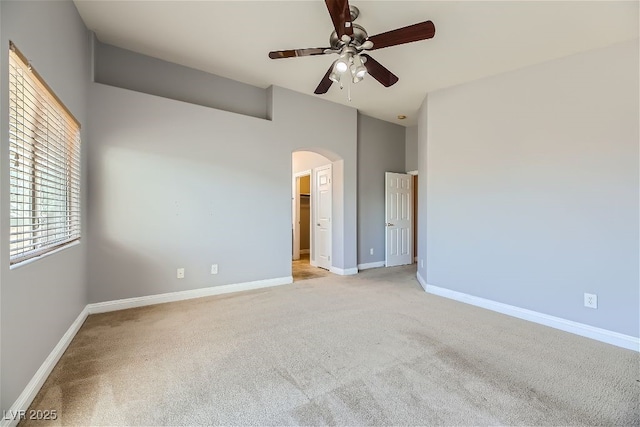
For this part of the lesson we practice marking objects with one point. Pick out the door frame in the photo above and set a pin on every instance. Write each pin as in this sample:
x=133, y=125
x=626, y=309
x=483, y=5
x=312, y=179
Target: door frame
x=295, y=214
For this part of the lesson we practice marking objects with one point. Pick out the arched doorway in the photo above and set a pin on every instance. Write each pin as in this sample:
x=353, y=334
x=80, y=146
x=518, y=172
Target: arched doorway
x=312, y=214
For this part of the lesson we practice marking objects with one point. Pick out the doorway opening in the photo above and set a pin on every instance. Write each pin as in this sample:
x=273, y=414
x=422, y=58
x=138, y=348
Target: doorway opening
x=311, y=215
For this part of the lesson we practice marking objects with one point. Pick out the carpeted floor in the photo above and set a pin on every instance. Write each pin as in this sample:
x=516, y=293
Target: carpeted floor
x=303, y=270
x=371, y=349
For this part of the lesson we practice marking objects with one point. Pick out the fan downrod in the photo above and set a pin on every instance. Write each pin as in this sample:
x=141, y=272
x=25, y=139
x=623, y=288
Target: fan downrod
x=359, y=33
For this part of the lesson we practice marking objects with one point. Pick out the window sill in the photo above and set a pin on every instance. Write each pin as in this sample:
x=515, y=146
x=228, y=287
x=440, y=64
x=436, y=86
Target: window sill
x=44, y=255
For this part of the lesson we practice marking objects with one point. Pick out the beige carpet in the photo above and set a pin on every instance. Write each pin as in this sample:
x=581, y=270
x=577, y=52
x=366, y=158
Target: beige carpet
x=371, y=349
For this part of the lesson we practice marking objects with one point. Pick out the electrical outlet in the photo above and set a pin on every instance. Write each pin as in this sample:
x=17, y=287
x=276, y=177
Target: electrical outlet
x=214, y=268
x=591, y=300
x=421, y=263
x=371, y=251
x=180, y=273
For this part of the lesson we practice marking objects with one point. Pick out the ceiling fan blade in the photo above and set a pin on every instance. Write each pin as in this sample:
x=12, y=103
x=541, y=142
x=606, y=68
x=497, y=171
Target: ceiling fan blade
x=379, y=72
x=412, y=33
x=326, y=82
x=278, y=54
x=341, y=16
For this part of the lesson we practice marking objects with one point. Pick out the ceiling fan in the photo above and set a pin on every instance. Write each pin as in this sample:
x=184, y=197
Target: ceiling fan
x=350, y=41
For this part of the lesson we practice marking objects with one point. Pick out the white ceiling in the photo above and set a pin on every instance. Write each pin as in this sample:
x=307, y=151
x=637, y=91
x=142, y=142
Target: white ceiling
x=473, y=39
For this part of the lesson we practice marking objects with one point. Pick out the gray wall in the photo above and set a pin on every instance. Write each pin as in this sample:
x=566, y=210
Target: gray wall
x=411, y=149
x=532, y=187
x=130, y=70
x=40, y=300
x=381, y=148
x=297, y=116
x=174, y=185
x=422, y=189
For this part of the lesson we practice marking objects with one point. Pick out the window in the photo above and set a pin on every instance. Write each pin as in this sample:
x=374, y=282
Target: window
x=44, y=156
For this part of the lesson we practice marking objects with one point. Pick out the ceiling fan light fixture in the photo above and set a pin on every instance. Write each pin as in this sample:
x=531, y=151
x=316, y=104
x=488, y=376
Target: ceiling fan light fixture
x=350, y=41
x=358, y=70
x=342, y=64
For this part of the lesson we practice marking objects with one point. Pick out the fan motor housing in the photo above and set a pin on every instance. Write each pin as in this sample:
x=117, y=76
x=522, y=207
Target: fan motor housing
x=358, y=37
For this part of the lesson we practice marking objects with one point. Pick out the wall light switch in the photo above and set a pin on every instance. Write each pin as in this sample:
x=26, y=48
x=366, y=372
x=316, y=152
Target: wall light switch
x=180, y=273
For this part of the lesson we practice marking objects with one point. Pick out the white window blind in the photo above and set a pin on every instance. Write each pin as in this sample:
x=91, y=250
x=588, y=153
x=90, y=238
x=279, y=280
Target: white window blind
x=44, y=156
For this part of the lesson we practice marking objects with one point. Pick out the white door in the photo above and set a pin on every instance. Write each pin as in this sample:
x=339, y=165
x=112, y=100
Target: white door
x=398, y=219
x=322, y=196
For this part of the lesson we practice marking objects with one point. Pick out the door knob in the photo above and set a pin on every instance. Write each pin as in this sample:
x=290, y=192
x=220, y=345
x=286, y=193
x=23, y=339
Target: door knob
x=389, y=224
x=318, y=224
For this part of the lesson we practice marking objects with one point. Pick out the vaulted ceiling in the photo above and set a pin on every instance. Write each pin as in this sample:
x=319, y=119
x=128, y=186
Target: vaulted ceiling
x=474, y=39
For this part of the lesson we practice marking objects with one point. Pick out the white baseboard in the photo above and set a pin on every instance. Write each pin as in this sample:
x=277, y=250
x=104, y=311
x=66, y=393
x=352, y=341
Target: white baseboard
x=31, y=390
x=122, y=304
x=304, y=251
x=422, y=282
x=344, y=271
x=610, y=337
x=370, y=265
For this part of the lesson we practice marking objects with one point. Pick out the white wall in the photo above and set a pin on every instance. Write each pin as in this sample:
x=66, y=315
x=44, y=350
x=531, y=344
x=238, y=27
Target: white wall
x=307, y=160
x=529, y=188
x=40, y=300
